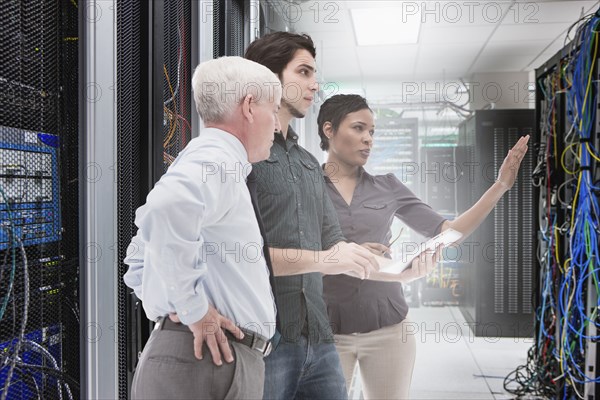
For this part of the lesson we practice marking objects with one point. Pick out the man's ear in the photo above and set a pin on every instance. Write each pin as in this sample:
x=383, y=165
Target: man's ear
x=247, y=105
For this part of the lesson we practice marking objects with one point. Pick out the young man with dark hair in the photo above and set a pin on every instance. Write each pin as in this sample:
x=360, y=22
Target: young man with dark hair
x=303, y=234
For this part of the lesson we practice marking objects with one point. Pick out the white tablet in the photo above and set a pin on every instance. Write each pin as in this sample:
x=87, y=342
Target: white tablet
x=411, y=250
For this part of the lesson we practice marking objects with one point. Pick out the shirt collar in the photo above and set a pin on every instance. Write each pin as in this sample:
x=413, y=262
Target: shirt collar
x=362, y=174
x=238, y=151
x=291, y=137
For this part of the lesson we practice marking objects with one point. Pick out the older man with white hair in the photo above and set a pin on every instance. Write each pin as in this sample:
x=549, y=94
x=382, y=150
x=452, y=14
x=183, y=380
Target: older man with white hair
x=196, y=261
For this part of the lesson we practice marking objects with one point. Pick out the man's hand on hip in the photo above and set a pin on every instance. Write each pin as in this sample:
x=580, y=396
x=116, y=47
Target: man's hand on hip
x=211, y=329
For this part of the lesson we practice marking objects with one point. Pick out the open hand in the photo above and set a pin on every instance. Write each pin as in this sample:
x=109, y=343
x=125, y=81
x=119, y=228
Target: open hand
x=509, y=169
x=210, y=329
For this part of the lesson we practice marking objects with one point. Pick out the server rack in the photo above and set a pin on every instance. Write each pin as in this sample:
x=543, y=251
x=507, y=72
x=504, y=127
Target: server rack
x=154, y=69
x=499, y=281
x=394, y=152
x=231, y=27
x=39, y=204
x=563, y=362
x=444, y=181
x=139, y=94
x=444, y=177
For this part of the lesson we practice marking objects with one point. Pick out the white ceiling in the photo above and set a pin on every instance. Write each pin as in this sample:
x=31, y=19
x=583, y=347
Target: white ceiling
x=451, y=45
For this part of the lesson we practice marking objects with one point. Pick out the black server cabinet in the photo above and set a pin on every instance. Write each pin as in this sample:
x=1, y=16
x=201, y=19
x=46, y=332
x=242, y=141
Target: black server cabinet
x=445, y=177
x=154, y=68
x=39, y=200
x=499, y=275
x=230, y=27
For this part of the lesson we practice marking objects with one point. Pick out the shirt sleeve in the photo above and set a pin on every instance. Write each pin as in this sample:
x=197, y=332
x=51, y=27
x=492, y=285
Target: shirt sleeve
x=167, y=271
x=135, y=260
x=331, y=232
x=413, y=211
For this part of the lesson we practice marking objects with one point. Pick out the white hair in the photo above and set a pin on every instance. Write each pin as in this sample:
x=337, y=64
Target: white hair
x=219, y=85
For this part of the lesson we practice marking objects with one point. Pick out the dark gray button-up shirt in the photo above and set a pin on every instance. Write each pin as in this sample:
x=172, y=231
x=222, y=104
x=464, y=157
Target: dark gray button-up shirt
x=356, y=305
x=297, y=214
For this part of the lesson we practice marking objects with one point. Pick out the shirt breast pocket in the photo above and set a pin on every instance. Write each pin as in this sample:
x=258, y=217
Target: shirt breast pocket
x=270, y=177
x=312, y=172
x=375, y=206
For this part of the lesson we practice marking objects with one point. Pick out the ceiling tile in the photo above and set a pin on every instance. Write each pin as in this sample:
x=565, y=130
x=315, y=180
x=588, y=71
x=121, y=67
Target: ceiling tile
x=508, y=48
x=388, y=61
x=391, y=53
x=539, y=31
x=452, y=54
x=462, y=13
x=445, y=61
x=498, y=63
x=454, y=34
x=533, y=12
x=324, y=16
x=333, y=39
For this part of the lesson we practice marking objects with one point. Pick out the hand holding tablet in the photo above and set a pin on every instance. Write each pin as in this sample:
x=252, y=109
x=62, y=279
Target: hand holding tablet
x=445, y=238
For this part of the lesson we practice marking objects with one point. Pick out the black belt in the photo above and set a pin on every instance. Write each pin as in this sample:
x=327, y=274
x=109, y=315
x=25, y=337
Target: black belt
x=251, y=339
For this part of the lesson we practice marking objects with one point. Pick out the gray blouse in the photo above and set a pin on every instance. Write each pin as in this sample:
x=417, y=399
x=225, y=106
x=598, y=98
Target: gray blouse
x=356, y=305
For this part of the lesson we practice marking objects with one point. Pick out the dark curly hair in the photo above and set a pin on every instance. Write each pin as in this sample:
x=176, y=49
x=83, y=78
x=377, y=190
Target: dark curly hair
x=275, y=50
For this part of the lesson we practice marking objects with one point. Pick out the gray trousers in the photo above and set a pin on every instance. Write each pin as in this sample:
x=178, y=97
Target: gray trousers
x=168, y=369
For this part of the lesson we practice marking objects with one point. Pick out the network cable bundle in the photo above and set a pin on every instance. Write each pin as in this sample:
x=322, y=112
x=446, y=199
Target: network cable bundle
x=29, y=216
x=563, y=362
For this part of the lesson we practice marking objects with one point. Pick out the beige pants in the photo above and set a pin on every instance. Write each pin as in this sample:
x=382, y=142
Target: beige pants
x=385, y=357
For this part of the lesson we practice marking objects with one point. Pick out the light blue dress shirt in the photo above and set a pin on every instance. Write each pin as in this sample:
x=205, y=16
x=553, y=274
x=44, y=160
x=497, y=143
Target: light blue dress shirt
x=198, y=240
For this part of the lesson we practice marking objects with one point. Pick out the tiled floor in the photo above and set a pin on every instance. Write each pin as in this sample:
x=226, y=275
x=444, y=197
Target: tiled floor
x=454, y=364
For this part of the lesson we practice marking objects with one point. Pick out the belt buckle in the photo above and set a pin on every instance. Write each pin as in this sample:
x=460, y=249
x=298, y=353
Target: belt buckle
x=258, y=343
x=158, y=324
x=268, y=349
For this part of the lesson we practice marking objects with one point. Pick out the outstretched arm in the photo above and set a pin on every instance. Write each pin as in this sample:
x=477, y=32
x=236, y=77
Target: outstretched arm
x=341, y=258
x=468, y=221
